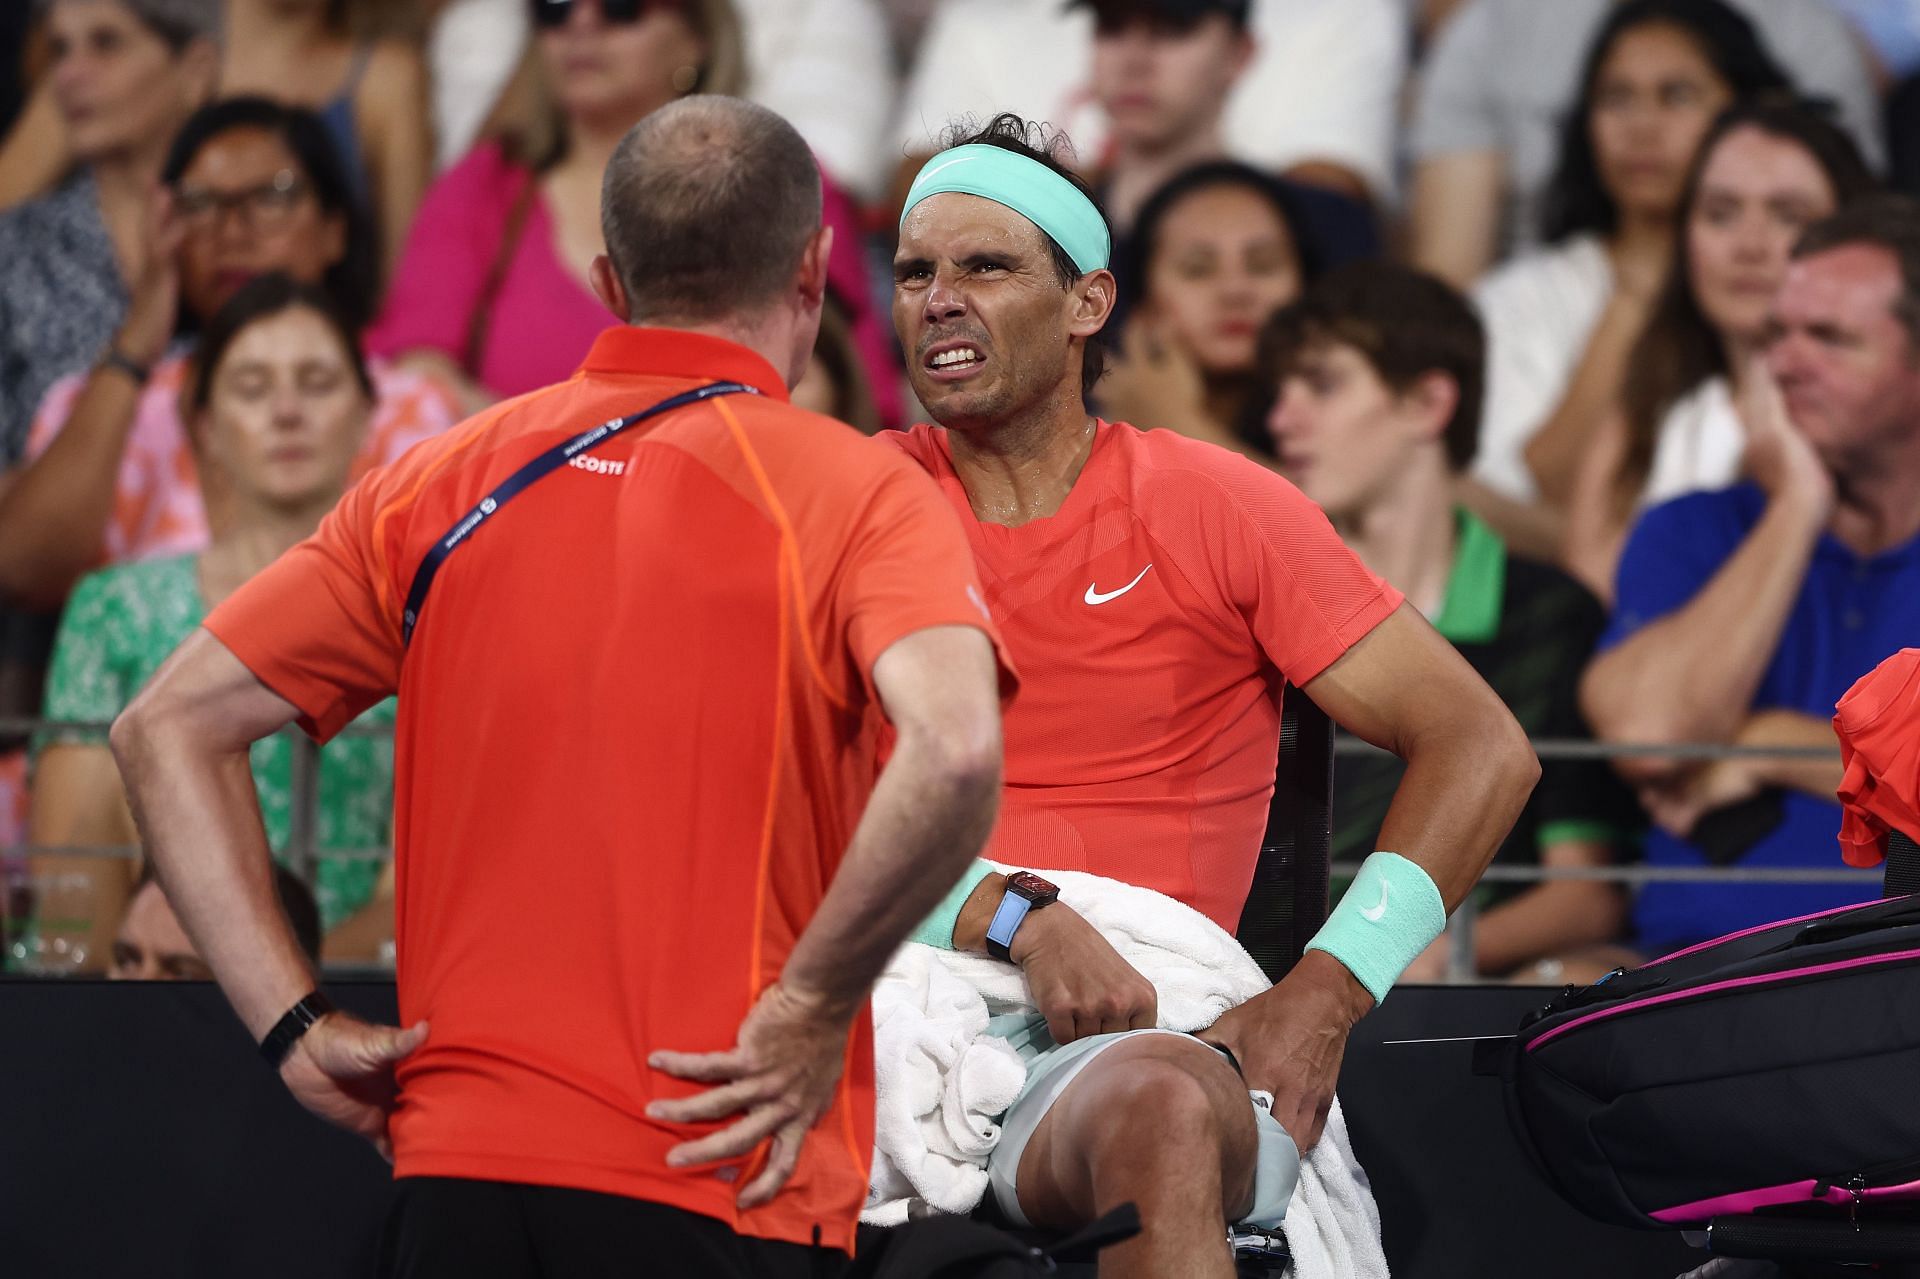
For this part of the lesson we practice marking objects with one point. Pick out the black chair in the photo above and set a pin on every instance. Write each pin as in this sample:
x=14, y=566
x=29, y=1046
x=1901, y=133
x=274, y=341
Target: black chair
x=1883, y=1241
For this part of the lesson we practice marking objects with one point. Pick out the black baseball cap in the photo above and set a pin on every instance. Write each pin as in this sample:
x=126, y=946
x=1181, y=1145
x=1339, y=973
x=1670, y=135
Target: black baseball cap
x=1182, y=13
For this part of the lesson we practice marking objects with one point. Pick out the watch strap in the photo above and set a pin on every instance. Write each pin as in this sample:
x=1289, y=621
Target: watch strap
x=115, y=358
x=297, y=1021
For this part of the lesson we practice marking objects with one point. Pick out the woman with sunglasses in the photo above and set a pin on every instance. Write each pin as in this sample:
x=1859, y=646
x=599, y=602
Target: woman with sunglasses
x=250, y=188
x=492, y=293
x=278, y=399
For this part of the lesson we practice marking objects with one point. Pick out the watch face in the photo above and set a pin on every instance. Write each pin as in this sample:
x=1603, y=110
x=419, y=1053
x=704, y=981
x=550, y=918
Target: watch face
x=1032, y=887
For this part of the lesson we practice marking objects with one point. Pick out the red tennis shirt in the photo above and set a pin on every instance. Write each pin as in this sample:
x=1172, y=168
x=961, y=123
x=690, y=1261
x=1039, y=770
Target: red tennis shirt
x=636, y=731
x=1157, y=619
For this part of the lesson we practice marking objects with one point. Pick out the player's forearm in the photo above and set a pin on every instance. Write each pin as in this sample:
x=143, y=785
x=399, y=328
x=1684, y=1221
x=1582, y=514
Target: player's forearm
x=1464, y=786
x=1691, y=676
x=199, y=819
x=929, y=815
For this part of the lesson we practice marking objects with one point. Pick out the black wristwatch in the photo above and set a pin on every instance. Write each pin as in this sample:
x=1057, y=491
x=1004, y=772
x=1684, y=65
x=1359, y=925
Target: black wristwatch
x=1026, y=893
x=298, y=1021
x=115, y=358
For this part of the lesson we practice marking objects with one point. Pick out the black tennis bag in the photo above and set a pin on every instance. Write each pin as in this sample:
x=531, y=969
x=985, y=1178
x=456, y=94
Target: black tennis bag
x=1768, y=1069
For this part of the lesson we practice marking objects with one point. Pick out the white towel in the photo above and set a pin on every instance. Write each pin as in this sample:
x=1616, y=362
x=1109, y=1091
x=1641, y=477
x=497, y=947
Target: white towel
x=942, y=1080
x=1333, y=1224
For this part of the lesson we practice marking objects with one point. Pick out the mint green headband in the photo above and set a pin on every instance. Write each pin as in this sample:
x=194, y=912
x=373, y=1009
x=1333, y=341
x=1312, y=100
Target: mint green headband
x=1026, y=186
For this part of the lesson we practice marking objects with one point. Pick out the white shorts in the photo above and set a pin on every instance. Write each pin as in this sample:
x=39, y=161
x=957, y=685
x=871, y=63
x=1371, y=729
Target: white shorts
x=1051, y=1067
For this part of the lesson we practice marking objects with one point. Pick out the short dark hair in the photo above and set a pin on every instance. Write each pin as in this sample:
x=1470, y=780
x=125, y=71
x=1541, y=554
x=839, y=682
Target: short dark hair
x=1576, y=200
x=353, y=280
x=1404, y=323
x=1051, y=148
x=708, y=206
x=1890, y=222
x=260, y=299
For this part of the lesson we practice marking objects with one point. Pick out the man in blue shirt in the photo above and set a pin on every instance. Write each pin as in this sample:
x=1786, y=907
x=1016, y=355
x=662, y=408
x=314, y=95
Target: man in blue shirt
x=1742, y=615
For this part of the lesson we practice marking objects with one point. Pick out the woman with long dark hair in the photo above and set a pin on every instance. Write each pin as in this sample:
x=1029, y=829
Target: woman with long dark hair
x=1214, y=252
x=1766, y=171
x=250, y=187
x=1561, y=320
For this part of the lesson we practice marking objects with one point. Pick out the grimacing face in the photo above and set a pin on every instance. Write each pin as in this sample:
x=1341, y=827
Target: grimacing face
x=980, y=311
x=287, y=415
x=1340, y=433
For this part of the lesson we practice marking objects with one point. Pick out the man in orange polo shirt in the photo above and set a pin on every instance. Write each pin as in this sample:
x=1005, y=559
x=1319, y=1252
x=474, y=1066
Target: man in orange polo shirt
x=645, y=671
x=1159, y=594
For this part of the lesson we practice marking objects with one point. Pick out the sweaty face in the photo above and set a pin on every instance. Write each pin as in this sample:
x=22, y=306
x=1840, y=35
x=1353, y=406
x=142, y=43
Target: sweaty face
x=1653, y=100
x=287, y=414
x=1842, y=357
x=248, y=210
x=1757, y=194
x=151, y=945
x=981, y=311
x=117, y=84
x=1223, y=261
x=1340, y=432
x=618, y=73
x=1159, y=83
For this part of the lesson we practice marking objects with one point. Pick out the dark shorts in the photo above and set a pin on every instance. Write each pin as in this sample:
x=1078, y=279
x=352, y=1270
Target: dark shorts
x=446, y=1228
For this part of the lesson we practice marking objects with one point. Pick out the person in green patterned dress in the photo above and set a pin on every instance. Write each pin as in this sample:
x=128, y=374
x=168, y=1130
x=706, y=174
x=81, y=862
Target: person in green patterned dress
x=278, y=404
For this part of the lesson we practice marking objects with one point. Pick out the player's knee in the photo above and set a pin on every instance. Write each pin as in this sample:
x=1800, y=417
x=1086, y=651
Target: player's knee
x=1150, y=1110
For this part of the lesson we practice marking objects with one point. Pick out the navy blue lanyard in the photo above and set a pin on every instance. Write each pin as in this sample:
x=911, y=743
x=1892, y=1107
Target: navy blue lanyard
x=541, y=467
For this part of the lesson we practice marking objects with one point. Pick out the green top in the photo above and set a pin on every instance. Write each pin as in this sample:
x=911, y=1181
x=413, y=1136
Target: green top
x=122, y=622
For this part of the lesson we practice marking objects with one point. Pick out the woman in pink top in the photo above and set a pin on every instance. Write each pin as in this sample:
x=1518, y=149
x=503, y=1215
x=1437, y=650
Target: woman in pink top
x=492, y=291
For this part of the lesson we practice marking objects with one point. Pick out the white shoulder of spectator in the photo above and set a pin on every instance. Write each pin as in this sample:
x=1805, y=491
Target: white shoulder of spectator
x=1324, y=85
x=827, y=66
x=981, y=57
x=1539, y=310
x=1700, y=445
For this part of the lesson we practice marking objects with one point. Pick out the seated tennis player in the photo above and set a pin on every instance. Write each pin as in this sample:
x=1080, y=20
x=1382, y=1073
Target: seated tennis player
x=1158, y=594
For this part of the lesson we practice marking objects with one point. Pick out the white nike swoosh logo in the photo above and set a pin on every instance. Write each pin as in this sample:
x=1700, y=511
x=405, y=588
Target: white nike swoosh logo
x=1374, y=915
x=1094, y=596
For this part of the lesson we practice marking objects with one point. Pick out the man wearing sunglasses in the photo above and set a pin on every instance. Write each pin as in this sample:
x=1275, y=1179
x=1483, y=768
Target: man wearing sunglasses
x=653, y=625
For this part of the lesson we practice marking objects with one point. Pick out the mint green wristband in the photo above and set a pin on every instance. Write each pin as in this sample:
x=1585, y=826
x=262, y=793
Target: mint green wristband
x=937, y=928
x=1387, y=918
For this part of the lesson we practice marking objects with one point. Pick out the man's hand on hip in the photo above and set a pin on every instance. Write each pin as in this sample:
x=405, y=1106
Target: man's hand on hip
x=342, y=1070
x=779, y=1079
x=1290, y=1041
x=1077, y=979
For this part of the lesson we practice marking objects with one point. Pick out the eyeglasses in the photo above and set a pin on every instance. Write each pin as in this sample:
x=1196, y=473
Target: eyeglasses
x=554, y=13
x=266, y=207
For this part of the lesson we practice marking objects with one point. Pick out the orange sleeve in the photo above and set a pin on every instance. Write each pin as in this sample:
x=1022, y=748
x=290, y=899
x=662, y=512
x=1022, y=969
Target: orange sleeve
x=1306, y=597
x=907, y=567
x=314, y=627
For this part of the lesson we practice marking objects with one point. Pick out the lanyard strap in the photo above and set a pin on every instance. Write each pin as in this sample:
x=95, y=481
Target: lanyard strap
x=539, y=468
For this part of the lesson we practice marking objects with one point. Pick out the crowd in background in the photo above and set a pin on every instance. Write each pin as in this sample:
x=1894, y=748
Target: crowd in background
x=1504, y=285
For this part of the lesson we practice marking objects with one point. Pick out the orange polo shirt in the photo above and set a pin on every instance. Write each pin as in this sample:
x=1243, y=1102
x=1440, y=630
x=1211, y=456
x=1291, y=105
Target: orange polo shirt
x=637, y=728
x=1157, y=617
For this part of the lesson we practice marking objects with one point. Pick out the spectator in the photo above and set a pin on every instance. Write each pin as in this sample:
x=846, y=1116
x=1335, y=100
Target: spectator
x=150, y=945
x=1217, y=250
x=371, y=94
x=1380, y=372
x=835, y=383
x=1560, y=320
x=824, y=64
x=1743, y=614
x=1495, y=90
x=1317, y=102
x=125, y=74
x=1765, y=173
x=492, y=295
x=253, y=187
x=279, y=400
